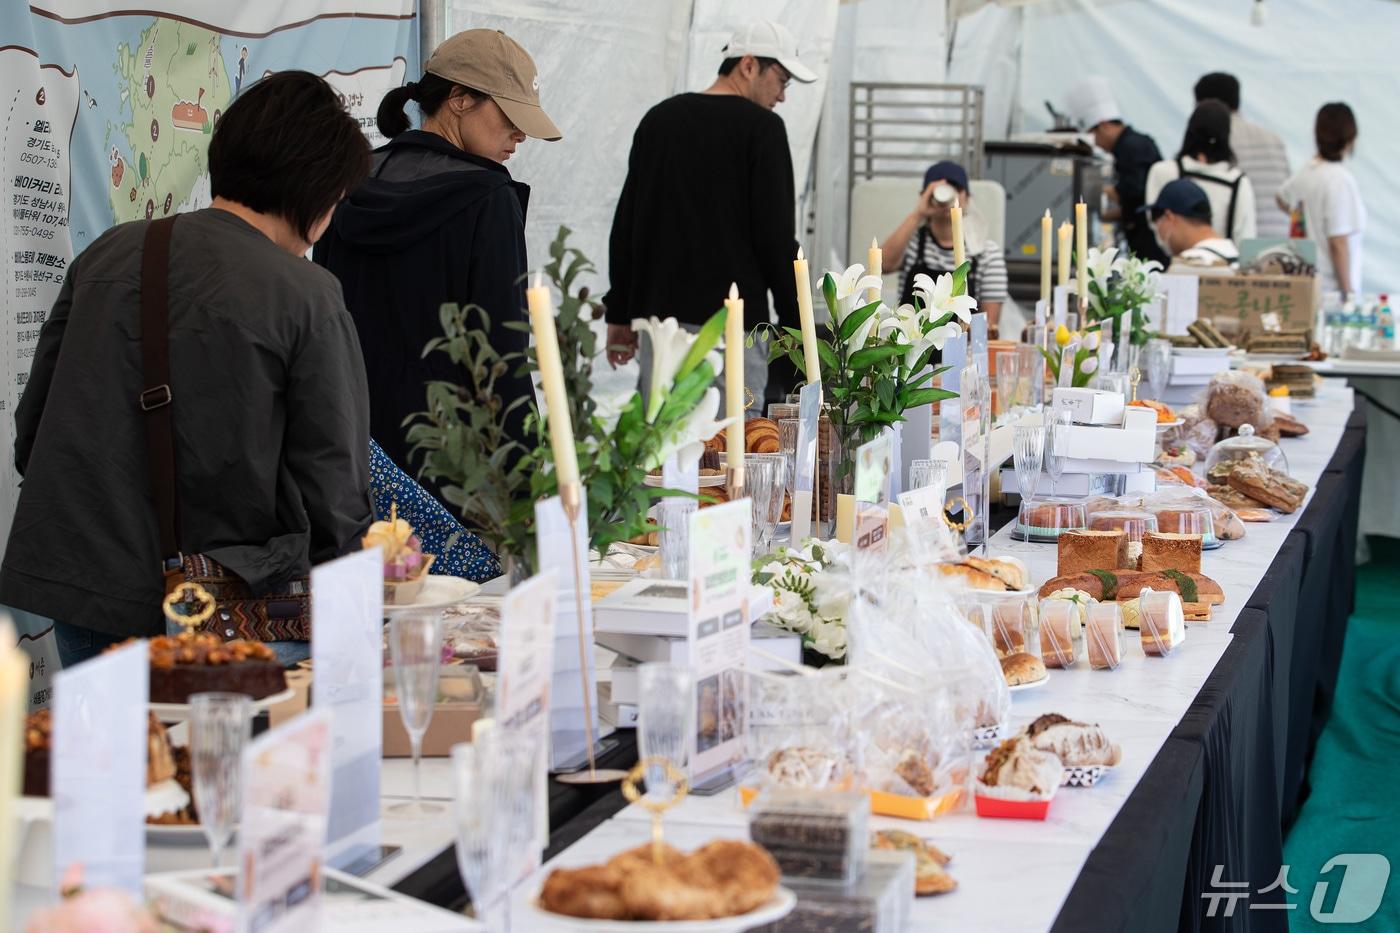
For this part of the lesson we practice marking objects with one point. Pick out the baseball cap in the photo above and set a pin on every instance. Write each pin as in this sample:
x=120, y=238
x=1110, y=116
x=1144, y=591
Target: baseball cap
x=951, y=172
x=763, y=38
x=489, y=61
x=1091, y=102
x=1184, y=198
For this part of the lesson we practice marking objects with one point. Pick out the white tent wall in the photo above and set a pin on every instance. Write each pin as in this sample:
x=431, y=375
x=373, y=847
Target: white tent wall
x=1308, y=52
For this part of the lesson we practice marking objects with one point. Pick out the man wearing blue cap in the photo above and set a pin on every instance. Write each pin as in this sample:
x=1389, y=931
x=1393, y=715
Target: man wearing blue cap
x=923, y=243
x=1182, y=220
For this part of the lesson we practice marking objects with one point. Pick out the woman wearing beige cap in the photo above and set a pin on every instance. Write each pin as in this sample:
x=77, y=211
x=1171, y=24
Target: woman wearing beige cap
x=439, y=220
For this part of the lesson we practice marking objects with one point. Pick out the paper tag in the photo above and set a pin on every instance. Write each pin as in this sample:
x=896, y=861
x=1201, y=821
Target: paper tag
x=915, y=440
x=718, y=635
x=97, y=768
x=949, y=414
x=524, y=667
x=347, y=654
x=282, y=833
x=1042, y=311
x=923, y=516
x=38, y=642
x=571, y=721
x=804, y=486
x=874, y=463
x=975, y=438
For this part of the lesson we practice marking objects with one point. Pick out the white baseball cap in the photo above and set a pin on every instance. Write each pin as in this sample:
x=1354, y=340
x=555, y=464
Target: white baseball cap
x=1091, y=102
x=763, y=38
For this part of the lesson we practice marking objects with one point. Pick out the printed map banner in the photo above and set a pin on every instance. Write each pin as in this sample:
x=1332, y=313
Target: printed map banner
x=106, y=115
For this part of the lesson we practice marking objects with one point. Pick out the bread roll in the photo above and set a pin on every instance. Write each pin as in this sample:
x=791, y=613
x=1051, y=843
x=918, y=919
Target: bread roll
x=977, y=579
x=1022, y=668
x=1008, y=570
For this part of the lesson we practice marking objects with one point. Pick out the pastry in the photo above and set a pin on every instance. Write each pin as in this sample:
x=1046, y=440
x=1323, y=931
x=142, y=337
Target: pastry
x=1041, y=519
x=1235, y=398
x=973, y=577
x=1163, y=623
x=1295, y=343
x=1017, y=763
x=1022, y=668
x=1007, y=570
x=1076, y=744
x=1176, y=455
x=1132, y=610
x=1128, y=584
x=1171, y=551
x=404, y=560
x=1098, y=549
x=761, y=436
x=1103, y=637
x=187, y=815
x=1256, y=514
x=916, y=773
x=1206, y=334
x=1164, y=413
x=929, y=862
x=1233, y=499
x=198, y=662
x=1271, y=487
x=1288, y=426
x=803, y=767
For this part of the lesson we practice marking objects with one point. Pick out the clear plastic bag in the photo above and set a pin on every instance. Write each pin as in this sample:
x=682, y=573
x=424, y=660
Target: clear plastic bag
x=1236, y=397
x=798, y=733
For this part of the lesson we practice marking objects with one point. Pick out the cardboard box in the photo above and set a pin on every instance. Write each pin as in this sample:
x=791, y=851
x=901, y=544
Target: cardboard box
x=1090, y=406
x=461, y=702
x=1243, y=305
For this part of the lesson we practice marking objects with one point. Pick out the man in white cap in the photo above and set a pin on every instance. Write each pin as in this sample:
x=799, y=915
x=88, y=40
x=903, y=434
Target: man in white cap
x=1093, y=107
x=709, y=201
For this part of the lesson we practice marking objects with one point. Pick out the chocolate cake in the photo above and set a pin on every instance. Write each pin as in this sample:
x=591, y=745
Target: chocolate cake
x=198, y=662
x=38, y=751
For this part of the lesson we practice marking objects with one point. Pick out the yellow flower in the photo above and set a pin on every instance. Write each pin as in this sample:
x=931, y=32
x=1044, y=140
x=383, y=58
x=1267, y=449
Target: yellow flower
x=1062, y=335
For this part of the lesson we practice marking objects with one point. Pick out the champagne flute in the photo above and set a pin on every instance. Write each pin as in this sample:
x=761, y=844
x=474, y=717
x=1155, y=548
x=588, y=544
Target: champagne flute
x=762, y=483
x=494, y=808
x=665, y=720
x=1008, y=380
x=1157, y=360
x=220, y=726
x=1056, y=434
x=1028, y=451
x=415, y=645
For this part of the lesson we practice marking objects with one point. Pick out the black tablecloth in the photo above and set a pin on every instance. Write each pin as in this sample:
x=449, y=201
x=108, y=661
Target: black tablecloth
x=1230, y=778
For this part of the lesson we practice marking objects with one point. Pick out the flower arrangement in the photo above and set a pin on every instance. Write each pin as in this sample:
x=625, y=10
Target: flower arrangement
x=91, y=910
x=807, y=600
x=875, y=359
x=1082, y=353
x=1120, y=286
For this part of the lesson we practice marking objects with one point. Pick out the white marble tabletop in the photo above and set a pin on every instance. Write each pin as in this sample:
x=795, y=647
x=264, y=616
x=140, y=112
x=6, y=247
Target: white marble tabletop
x=1014, y=875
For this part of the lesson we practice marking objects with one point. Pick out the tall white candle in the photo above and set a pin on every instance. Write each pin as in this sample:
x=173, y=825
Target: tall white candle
x=959, y=248
x=1046, y=243
x=875, y=262
x=561, y=428
x=1062, y=257
x=804, y=314
x=1081, y=250
x=734, y=378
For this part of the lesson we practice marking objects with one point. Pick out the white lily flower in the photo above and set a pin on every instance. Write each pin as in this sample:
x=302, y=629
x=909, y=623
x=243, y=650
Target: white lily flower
x=670, y=342
x=851, y=288
x=688, y=442
x=608, y=408
x=1102, y=263
x=940, y=336
x=941, y=300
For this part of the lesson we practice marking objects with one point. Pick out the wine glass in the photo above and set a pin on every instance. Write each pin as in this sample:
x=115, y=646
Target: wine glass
x=763, y=482
x=927, y=472
x=1056, y=433
x=674, y=536
x=494, y=809
x=415, y=645
x=665, y=721
x=1030, y=370
x=787, y=444
x=1157, y=364
x=1008, y=380
x=220, y=726
x=1028, y=452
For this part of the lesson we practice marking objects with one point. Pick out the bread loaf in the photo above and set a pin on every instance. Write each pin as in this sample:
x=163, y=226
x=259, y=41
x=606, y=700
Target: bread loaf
x=1271, y=487
x=1128, y=584
x=1006, y=569
x=1091, y=550
x=1171, y=551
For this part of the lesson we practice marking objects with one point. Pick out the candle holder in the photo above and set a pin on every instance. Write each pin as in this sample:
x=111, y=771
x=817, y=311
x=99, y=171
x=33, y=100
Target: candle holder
x=657, y=808
x=735, y=482
x=1134, y=378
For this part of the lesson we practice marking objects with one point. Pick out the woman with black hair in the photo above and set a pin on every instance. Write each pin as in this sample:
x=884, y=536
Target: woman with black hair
x=1207, y=159
x=440, y=220
x=1324, y=202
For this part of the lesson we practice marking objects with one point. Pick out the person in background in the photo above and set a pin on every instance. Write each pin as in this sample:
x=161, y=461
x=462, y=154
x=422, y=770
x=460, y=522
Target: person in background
x=1259, y=152
x=1207, y=159
x=923, y=243
x=709, y=200
x=1325, y=202
x=1181, y=215
x=440, y=220
x=268, y=399
x=1093, y=105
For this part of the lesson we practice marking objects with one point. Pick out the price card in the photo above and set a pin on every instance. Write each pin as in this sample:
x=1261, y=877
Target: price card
x=97, y=768
x=1042, y=312
x=282, y=833
x=874, y=463
x=1062, y=306
x=804, y=484
x=977, y=342
x=950, y=415
x=923, y=516
x=718, y=638
x=347, y=654
x=975, y=438
x=524, y=668
x=573, y=708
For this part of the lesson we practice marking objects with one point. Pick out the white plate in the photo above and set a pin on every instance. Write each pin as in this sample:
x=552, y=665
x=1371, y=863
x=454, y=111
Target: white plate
x=1165, y=425
x=1203, y=351
x=712, y=479
x=179, y=712
x=775, y=908
x=1030, y=686
x=438, y=592
x=176, y=835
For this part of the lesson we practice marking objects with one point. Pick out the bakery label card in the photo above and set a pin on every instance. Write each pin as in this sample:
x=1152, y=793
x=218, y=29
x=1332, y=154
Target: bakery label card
x=565, y=551
x=347, y=654
x=718, y=638
x=524, y=667
x=975, y=392
x=949, y=415
x=874, y=463
x=923, y=516
x=97, y=769
x=282, y=833
x=804, y=483
x=1061, y=310
x=977, y=341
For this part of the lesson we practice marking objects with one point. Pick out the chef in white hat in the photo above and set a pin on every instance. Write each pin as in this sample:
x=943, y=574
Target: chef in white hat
x=1093, y=106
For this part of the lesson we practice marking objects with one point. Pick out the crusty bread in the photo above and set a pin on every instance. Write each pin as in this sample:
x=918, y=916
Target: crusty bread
x=1007, y=571
x=977, y=579
x=1171, y=551
x=1082, y=550
x=1022, y=668
x=1133, y=582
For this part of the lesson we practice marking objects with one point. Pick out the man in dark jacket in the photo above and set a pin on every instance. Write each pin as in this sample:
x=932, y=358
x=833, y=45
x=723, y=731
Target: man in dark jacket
x=709, y=200
x=1093, y=104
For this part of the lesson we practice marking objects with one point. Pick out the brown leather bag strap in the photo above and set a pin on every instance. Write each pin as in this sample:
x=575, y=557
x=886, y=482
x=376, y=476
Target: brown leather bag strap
x=156, y=398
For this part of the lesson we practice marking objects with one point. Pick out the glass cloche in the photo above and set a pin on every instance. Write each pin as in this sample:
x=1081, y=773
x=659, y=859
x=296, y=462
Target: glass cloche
x=1247, y=445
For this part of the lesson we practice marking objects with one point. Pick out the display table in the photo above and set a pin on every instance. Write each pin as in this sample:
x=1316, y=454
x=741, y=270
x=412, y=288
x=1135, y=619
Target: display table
x=1213, y=739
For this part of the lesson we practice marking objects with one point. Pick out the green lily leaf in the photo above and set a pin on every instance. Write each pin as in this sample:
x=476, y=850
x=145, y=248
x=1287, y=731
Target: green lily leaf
x=858, y=317
x=926, y=397
x=869, y=356
x=705, y=341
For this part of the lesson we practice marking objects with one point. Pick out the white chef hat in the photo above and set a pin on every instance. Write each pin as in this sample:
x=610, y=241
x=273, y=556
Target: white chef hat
x=1091, y=102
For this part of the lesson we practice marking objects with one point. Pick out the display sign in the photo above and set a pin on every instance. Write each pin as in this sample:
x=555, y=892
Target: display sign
x=347, y=654
x=718, y=638
x=97, y=768
x=572, y=720
x=976, y=436
x=874, y=464
x=282, y=832
x=949, y=412
x=804, y=485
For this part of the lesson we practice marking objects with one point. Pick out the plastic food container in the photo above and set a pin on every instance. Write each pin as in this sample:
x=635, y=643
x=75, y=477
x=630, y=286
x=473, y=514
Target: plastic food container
x=1103, y=636
x=1245, y=446
x=1190, y=520
x=819, y=837
x=1012, y=624
x=1062, y=631
x=1045, y=519
x=1134, y=524
x=878, y=901
x=1007, y=808
x=1161, y=622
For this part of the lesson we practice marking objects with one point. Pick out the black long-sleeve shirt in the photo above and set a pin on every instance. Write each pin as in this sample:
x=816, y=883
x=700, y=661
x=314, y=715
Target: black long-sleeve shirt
x=1133, y=155
x=708, y=201
x=271, y=425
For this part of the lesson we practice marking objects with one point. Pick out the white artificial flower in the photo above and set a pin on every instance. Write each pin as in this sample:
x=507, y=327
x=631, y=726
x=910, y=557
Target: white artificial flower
x=941, y=335
x=851, y=287
x=688, y=441
x=1090, y=366
x=670, y=343
x=608, y=408
x=1091, y=340
x=941, y=300
x=1102, y=263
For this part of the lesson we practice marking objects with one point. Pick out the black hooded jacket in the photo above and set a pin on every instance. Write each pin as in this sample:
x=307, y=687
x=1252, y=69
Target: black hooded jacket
x=432, y=224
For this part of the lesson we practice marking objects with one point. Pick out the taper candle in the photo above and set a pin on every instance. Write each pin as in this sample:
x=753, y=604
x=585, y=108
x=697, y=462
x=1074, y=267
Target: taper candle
x=734, y=378
x=1062, y=257
x=959, y=248
x=1046, y=243
x=1081, y=249
x=561, y=428
x=875, y=265
x=804, y=315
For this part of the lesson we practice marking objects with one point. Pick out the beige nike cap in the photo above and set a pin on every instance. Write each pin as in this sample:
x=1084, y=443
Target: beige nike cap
x=489, y=61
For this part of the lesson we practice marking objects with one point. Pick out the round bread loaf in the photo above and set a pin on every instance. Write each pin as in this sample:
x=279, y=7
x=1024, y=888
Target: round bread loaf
x=1022, y=668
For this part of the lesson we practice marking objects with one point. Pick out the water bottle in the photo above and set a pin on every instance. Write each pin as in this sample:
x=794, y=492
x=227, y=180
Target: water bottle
x=1331, y=338
x=1387, y=325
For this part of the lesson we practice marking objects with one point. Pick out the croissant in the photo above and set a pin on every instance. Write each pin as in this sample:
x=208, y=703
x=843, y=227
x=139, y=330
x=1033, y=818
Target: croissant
x=761, y=436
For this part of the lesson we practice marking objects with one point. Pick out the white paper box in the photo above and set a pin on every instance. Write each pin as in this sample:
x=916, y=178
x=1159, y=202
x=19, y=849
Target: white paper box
x=1090, y=406
x=1201, y=361
x=1138, y=418
x=1082, y=442
x=1070, y=484
x=1077, y=466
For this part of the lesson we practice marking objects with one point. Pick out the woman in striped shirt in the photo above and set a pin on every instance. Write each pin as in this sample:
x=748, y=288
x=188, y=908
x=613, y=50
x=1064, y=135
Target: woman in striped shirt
x=923, y=243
